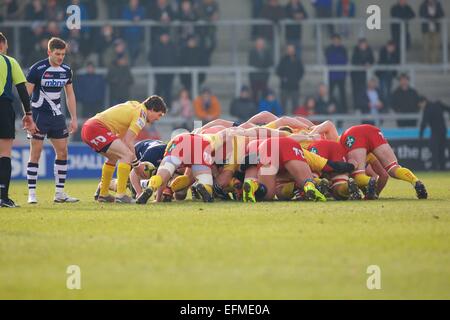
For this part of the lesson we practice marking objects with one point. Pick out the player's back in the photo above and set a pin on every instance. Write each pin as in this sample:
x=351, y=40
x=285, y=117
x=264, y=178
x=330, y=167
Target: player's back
x=119, y=118
x=331, y=150
x=150, y=151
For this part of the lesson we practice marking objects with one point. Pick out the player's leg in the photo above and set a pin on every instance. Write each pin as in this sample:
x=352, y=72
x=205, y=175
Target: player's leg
x=387, y=157
x=204, y=184
x=5, y=172
x=268, y=181
x=36, y=145
x=375, y=168
x=60, y=170
x=303, y=177
x=117, y=150
x=344, y=188
x=7, y=136
x=224, y=182
x=158, y=182
x=285, y=191
x=100, y=139
x=108, y=168
x=358, y=158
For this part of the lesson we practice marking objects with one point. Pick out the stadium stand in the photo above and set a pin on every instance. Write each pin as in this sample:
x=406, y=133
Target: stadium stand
x=217, y=54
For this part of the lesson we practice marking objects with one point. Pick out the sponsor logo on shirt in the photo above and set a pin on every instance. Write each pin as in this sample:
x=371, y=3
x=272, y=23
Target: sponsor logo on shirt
x=55, y=83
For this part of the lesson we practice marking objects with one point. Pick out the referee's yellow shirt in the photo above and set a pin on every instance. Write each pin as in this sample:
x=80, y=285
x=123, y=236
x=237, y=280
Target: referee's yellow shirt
x=10, y=74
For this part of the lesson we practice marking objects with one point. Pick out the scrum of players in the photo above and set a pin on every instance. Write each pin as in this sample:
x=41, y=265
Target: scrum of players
x=266, y=158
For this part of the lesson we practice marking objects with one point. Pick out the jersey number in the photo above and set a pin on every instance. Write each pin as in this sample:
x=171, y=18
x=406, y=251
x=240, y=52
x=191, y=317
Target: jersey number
x=298, y=152
x=97, y=140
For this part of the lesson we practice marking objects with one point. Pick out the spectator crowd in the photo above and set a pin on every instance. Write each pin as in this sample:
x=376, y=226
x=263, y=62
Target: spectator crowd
x=191, y=45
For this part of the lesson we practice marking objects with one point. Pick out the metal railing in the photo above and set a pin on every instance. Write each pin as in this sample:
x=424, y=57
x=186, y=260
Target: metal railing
x=240, y=72
x=318, y=25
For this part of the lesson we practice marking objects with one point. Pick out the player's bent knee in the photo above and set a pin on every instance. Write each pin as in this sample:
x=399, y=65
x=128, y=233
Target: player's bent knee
x=170, y=164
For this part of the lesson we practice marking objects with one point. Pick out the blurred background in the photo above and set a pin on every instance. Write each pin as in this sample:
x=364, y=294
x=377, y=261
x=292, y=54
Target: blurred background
x=234, y=58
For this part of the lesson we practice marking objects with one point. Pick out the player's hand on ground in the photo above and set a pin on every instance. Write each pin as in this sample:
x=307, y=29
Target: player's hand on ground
x=73, y=126
x=28, y=124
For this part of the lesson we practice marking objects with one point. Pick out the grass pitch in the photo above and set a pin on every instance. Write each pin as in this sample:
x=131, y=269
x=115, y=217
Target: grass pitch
x=192, y=250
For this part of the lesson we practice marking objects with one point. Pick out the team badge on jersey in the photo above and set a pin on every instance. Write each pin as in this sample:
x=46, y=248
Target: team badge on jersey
x=170, y=147
x=350, y=141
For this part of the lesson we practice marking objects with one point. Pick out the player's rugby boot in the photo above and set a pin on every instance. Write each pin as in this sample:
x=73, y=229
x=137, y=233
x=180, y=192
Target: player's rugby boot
x=145, y=196
x=8, y=203
x=125, y=199
x=353, y=190
x=249, y=190
x=205, y=195
x=371, y=190
x=220, y=193
x=167, y=195
x=299, y=195
x=421, y=191
x=195, y=195
x=32, y=199
x=324, y=188
x=312, y=193
x=62, y=197
x=106, y=199
x=97, y=192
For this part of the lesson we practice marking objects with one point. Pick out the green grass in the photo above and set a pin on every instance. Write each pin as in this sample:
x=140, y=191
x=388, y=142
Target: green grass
x=192, y=250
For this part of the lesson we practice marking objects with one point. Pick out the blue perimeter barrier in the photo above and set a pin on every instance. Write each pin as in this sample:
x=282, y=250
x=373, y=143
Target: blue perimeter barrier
x=86, y=164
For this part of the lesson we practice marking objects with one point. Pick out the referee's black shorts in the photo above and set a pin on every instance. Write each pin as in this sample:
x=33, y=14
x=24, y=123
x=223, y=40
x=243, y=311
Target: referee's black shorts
x=7, y=119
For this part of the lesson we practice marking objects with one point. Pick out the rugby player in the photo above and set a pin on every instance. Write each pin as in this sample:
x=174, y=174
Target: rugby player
x=149, y=153
x=361, y=140
x=276, y=155
x=10, y=74
x=341, y=186
x=112, y=133
x=45, y=81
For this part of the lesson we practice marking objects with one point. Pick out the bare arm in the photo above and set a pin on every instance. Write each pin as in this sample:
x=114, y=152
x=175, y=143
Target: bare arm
x=30, y=88
x=299, y=137
x=328, y=129
x=72, y=107
x=135, y=182
x=129, y=139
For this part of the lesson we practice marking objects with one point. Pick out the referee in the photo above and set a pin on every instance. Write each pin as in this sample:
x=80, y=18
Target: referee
x=10, y=73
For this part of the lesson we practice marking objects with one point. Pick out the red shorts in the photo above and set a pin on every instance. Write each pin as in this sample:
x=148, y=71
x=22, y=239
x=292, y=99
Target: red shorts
x=191, y=149
x=277, y=151
x=97, y=136
x=363, y=136
x=328, y=149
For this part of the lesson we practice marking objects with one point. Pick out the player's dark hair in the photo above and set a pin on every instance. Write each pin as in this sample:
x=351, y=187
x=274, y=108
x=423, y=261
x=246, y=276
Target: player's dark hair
x=56, y=44
x=155, y=103
x=2, y=38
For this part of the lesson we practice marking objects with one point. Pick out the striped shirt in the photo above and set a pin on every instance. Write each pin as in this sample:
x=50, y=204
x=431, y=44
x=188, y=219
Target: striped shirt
x=48, y=83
